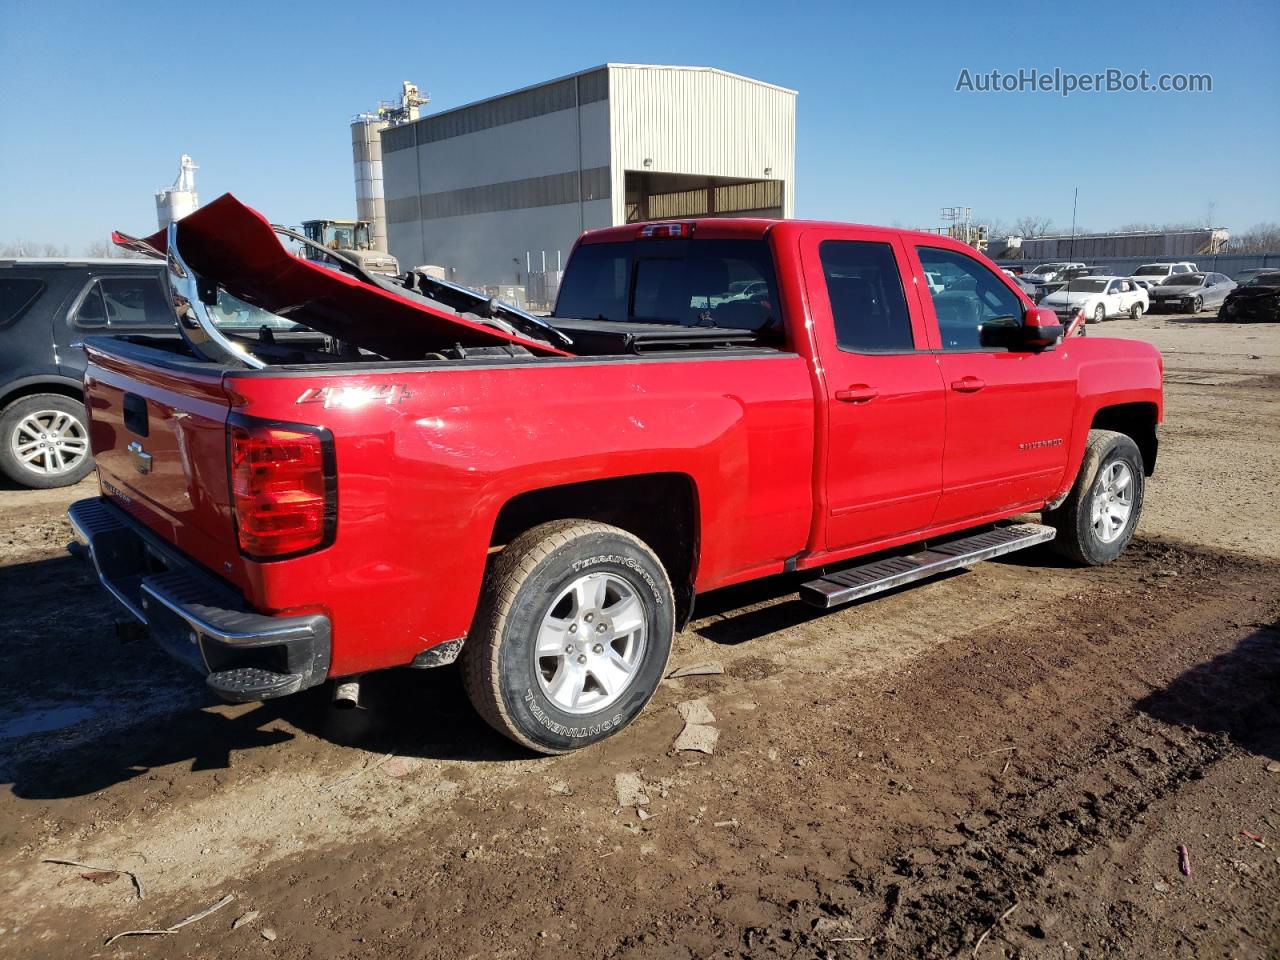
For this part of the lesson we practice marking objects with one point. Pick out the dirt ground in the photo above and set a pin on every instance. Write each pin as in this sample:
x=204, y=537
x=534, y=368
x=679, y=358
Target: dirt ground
x=1002, y=762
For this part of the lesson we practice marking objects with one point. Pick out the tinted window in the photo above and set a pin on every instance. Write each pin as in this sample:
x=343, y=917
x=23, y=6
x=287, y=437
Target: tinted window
x=973, y=297
x=718, y=283
x=17, y=294
x=92, y=313
x=868, y=306
x=135, y=302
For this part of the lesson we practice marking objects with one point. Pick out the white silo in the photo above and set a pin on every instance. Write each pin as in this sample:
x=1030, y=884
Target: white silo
x=180, y=199
x=366, y=154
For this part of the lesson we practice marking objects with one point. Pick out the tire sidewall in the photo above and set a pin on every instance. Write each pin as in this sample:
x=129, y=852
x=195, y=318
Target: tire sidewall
x=536, y=716
x=1097, y=551
x=13, y=414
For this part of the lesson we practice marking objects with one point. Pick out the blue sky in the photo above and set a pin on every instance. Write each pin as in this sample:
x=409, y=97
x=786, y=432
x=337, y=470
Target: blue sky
x=100, y=99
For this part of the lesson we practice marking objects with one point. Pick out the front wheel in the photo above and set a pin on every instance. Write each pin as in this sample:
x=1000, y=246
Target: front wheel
x=1197, y=305
x=1097, y=520
x=572, y=635
x=1099, y=313
x=44, y=441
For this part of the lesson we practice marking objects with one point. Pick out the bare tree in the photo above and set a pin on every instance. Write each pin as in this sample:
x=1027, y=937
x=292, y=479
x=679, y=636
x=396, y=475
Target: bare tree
x=1260, y=238
x=1033, y=226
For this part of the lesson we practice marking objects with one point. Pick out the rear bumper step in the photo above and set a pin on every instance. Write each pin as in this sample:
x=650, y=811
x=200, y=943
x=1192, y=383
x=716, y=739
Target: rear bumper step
x=852, y=584
x=244, y=655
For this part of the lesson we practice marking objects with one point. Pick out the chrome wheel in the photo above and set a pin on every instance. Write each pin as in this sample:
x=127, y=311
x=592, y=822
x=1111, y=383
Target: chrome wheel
x=1112, y=501
x=50, y=442
x=591, y=643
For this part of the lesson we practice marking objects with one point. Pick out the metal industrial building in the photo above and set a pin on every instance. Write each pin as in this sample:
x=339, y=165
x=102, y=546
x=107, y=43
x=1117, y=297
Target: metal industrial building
x=489, y=188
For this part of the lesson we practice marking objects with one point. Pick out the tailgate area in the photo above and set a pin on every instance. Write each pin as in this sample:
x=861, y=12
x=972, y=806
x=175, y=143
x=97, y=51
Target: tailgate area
x=203, y=622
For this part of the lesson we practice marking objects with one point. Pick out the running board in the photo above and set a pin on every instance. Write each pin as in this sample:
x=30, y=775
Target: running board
x=853, y=584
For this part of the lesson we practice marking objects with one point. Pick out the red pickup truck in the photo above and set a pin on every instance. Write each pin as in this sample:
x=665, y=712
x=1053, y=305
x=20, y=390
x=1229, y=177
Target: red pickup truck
x=330, y=473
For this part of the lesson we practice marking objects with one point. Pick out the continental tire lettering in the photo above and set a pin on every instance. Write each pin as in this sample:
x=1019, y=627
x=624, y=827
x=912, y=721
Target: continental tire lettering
x=593, y=730
x=629, y=562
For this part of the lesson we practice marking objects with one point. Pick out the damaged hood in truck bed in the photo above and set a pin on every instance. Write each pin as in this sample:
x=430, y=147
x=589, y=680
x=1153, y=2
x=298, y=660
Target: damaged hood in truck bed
x=234, y=246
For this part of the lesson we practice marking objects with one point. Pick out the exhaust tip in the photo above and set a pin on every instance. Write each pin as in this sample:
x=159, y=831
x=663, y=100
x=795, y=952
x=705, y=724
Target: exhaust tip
x=346, y=694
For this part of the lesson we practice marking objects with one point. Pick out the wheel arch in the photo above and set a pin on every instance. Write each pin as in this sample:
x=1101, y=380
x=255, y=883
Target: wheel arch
x=30, y=386
x=1138, y=422
x=659, y=508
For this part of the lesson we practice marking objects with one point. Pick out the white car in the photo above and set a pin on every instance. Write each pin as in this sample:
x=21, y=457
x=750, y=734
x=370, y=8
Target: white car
x=1099, y=298
x=1149, y=274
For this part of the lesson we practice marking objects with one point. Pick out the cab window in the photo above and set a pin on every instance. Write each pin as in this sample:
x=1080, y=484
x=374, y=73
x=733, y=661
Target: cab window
x=971, y=298
x=868, y=306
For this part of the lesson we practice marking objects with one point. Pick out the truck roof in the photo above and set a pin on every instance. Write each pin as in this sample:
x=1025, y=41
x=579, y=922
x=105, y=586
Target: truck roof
x=725, y=228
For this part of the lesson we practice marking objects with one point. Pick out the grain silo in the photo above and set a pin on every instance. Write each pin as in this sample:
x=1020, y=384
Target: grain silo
x=180, y=199
x=366, y=154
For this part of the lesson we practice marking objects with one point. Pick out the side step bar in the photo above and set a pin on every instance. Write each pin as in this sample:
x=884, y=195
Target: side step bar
x=848, y=585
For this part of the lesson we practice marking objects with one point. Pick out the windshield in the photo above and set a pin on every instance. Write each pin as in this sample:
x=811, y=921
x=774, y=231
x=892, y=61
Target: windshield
x=711, y=283
x=233, y=314
x=1087, y=285
x=1152, y=270
x=1184, y=280
x=1264, y=280
x=1046, y=268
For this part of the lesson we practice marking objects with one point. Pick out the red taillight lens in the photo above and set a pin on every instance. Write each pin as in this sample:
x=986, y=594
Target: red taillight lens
x=282, y=489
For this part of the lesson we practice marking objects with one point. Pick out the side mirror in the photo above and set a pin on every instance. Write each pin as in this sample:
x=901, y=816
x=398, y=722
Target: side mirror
x=1041, y=329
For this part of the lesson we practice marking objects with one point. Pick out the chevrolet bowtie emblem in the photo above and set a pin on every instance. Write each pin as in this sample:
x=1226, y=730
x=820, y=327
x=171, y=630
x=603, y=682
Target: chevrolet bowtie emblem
x=141, y=459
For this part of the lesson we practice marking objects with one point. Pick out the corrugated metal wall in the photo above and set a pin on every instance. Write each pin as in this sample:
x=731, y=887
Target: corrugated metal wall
x=700, y=121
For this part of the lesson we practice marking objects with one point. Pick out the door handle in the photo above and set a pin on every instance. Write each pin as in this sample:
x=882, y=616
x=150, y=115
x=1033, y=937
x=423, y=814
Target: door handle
x=857, y=393
x=968, y=385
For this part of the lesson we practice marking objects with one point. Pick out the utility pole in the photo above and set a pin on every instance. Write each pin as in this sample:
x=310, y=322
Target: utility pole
x=1074, y=199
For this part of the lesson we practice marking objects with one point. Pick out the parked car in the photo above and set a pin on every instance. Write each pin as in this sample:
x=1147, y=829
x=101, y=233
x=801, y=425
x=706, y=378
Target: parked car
x=426, y=476
x=1244, y=276
x=1150, y=274
x=1046, y=289
x=1191, y=292
x=1099, y=297
x=1049, y=272
x=47, y=306
x=1258, y=298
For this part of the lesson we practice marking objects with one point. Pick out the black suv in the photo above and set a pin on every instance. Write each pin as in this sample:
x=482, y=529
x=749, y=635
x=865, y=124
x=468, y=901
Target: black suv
x=46, y=307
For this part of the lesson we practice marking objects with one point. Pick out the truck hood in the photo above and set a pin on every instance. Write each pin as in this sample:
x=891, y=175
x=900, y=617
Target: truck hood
x=236, y=247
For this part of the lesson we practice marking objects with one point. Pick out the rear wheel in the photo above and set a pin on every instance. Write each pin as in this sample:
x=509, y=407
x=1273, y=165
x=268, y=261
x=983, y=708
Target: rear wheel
x=572, y=635
x=1099, y=516
x=1135, y=311
x=44, y=441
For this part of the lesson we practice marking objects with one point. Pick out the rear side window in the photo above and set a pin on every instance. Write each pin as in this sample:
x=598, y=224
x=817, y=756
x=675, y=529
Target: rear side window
x=17, y=295
x=868, y=306
x=712, y=283
x=125, y=302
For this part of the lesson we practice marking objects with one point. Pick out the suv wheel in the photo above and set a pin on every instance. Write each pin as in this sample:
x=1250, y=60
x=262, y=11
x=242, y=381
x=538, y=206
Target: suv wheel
x=1135, y=311
x=1099, y=516
x=572, y=635
x=44, y=441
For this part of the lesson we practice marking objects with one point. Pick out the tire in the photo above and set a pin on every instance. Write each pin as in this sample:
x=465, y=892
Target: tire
x=555, y=583
x=1099, y=313
x=58, y=422
x=1197, y=304
x=1135, y=311
x=1094, y=537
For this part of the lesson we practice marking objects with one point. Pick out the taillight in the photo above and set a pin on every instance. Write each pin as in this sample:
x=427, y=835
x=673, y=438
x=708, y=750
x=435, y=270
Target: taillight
x=283, y=488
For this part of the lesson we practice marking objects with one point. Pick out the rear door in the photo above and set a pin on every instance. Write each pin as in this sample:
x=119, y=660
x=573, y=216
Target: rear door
x=884, y=395
x=1008, y=413
x=113, y=301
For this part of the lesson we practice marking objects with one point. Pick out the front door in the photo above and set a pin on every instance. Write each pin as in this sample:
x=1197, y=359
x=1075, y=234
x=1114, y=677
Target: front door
x=1008, y=412
x=884, y=395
